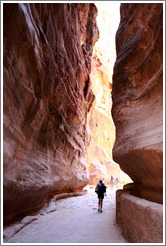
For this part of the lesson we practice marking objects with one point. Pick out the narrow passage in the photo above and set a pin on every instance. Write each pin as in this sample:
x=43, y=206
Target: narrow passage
x=76, y=220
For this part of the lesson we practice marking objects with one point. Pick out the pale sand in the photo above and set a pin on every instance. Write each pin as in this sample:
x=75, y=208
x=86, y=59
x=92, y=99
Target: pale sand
x=76, y=220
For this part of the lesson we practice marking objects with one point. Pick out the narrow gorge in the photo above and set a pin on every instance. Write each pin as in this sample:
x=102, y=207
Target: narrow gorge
x=63, y=114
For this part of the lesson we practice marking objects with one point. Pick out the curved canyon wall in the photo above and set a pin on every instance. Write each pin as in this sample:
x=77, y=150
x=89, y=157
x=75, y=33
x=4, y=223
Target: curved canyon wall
x=46, y=98
x=100, y=124
x=138, y=98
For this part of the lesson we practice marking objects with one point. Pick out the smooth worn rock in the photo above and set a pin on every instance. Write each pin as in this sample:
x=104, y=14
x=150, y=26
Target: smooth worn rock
x=46, y=97
x=13, y=229
x=138, y=97
x=141, y=220
x=100, y=169
x=100, y=124
x=97, y=171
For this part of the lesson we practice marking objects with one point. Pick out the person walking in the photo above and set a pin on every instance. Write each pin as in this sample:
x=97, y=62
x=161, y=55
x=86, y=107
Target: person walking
x=112, y=182
x=100, y=190
x=116, y=182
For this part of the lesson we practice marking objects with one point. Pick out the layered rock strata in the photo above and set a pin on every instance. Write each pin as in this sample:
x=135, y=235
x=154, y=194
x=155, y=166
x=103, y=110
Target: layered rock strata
x=138, y=97
x=46, y=98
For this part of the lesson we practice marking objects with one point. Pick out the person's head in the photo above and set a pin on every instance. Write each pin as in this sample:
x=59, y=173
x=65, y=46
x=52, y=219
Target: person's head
x=101, y=181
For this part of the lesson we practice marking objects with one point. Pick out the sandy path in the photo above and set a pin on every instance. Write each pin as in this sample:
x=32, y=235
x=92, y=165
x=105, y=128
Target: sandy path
x=76, y=220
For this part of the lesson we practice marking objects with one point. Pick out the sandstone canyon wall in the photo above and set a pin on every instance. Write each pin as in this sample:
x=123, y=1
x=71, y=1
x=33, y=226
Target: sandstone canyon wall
x=100, y=124
x=46, y=98
x=138, y=97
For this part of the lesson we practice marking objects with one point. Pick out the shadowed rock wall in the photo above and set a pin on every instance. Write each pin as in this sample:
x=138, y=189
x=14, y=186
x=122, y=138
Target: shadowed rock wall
x=141, y=220
x=138, y=98
x=47, y=61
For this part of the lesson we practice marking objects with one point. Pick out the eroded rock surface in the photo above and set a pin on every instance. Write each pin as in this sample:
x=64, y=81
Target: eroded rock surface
x=100, y=123
x=47, y=61
x=138, y=97
x=141, y=220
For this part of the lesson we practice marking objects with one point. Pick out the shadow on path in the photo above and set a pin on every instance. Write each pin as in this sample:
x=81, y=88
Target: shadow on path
x=76, y=220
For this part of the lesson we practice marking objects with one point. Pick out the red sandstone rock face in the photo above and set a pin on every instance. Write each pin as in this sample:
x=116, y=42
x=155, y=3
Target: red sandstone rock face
x=138, y=97
x=47, y=61
x=141, y=220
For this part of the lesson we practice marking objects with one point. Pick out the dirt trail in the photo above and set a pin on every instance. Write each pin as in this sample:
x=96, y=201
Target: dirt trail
x=76, y=220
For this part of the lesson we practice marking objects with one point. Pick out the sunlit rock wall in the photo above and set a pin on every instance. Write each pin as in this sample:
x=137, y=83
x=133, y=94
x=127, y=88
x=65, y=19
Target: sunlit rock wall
x=100, y=123
x=138, y=97
x=101, y=126
x=47, y=61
